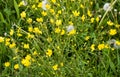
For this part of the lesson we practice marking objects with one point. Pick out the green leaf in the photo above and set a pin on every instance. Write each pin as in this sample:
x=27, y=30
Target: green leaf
x=16, y=8
x=1, y=17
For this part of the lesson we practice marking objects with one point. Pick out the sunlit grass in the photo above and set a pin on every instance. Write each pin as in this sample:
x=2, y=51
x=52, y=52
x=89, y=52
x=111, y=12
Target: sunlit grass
x=55, y=38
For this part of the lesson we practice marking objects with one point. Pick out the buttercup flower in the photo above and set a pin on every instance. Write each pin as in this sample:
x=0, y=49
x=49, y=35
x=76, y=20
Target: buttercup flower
x=16, y=66
x=23, y=14
x=1, y=39
x=55, y=67
x=92, y=47
x=112, y=31
x=7, y=64
x=26, y=62
x=101, y=46
x=49, y=52
x=75, y=13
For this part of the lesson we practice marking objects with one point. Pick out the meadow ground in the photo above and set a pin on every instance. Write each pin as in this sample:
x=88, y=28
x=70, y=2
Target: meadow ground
x=59, y=38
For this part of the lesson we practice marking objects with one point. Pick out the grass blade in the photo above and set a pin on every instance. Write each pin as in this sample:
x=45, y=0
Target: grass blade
x=16, y=8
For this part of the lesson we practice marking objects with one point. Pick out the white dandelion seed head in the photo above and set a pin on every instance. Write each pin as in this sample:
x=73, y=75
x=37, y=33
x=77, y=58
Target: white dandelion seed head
x=107, y=7
x=69, y=28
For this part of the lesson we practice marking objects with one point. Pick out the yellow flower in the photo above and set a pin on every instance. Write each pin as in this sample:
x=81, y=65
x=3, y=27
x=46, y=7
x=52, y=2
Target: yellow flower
x=19, y=34
x=47, y=6
x=11, y=32
x=61, y=64
x=92, y=47
x=23, y=14
x=30, y=29
x=54, y=1
x=29, y=20
x=16, y=66
x=1, y=39
x=26, y=46
x=118, y=43
x=75, y=13
x=30, y=35
x=92, y=20
x=87, y=38
x=33, y=6
x=55, y=67
x=89, y=13
x=28, y=57
x=59, y=12
x=83, y=18
x=7, y=64
x=49, y=39
x=52, y=11
x=106, y=46
x=101, y=46
x=7, y=41
x=39, y=19
x=51, y=20
x=97, y=19
x=110, y=23
x=112, y=31
x=57, y=30
x=21, y=4
x=49, y=52
x=40, y=4
x=70, y=23
x=117, y=25
x=82, y=6
x=36, y=30
x=62, y=32
x=35, y=53
x=58, y=22
x=44, y=13
x=26, y=62
x=91, y=2
x=12, y=45
x=72, y=32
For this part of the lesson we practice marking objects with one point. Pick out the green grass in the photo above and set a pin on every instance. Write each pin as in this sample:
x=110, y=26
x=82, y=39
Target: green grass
x=42, y=48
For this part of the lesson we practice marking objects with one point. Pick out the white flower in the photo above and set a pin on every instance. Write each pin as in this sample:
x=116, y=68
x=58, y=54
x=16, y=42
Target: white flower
x=70, y=28
x=107, y=7
x=44, y=4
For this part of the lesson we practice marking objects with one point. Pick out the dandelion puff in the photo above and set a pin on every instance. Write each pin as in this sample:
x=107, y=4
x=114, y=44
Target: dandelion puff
x=107, y=7
x=70, y=28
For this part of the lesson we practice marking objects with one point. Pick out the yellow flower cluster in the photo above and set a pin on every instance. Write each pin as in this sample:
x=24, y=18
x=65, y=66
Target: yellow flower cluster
x=112, y=32
x=1, y=39
x=101, y=46
x=49, y=52
x=26, y=62
x=7, y=64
